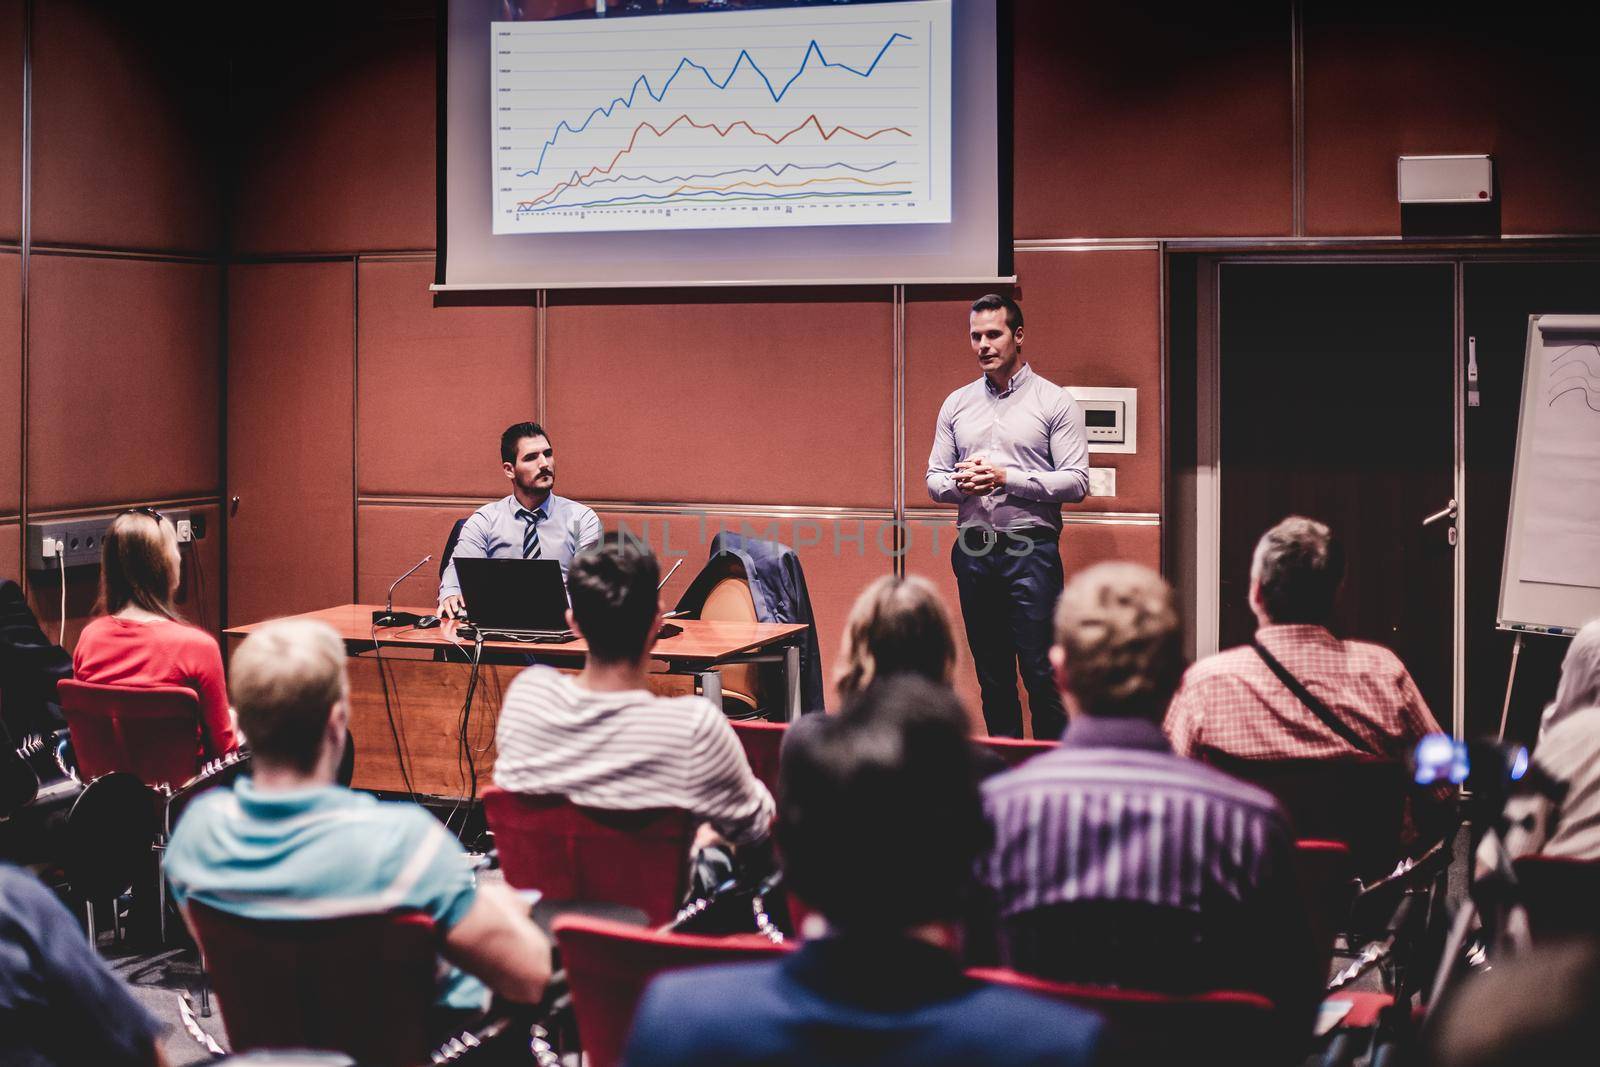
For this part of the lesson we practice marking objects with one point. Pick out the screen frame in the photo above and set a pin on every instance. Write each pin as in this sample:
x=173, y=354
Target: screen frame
x=1005, y=241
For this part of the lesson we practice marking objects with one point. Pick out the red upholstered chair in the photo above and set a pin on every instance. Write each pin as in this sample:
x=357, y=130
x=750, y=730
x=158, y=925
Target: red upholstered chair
x=361, y=985
x=609, y=964
x=1015, y=751
x=1326, y=876
x=761, y=741
x=1359, y=801
x=151, y=732
x=637, y=858
x=1220, y=1026
x=1562, y=895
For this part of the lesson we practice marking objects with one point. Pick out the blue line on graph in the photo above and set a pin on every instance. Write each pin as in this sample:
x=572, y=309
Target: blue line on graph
x=776, y=94
x=741, y=194
x=768, y=167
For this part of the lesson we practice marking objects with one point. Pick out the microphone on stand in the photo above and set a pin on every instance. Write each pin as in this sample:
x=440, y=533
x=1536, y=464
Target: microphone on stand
x=388, y=616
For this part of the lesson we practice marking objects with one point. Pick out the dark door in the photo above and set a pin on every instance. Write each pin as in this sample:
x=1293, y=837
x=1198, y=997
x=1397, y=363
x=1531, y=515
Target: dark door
x=1498, y=298
x=1337, y=402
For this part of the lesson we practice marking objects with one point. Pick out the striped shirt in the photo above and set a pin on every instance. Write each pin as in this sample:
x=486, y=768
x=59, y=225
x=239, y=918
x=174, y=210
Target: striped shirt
x=1112, y=817
x=627, y=751
x=1232, y=702
x=321, y=853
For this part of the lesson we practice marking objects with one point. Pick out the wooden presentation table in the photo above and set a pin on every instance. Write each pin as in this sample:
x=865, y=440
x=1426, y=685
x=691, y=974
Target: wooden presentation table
x=409, y=688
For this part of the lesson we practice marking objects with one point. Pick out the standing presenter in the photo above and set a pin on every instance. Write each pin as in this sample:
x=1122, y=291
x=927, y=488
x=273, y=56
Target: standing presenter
x=1009, y=449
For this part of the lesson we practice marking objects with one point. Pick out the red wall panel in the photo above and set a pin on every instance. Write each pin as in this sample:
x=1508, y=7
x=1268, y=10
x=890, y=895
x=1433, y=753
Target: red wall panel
x=10, y=384
x=1091, y=318
x=1386, y=82
x=127, y=118
x=11, y=120
x=392, y=539
x=1151, y=121
x=123, y=381
x=290, y=452
x=1082, y=545
x=10, y=550
x=336, y=151
x=465, y=372
x=739, y=402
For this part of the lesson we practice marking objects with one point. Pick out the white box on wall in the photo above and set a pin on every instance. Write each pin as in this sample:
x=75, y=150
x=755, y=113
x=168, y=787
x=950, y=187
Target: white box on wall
x=1446, y=179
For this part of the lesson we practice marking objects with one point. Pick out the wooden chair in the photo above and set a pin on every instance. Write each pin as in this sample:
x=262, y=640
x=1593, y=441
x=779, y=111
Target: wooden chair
x=609, y=964
x=361, y=985
x=571, y=853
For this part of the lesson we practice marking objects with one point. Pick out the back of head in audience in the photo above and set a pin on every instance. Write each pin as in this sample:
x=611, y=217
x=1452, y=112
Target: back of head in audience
x=139, y=564
x=880, y=821
x=1539, y=1009
x=1296, y=571
x=289, y=687
x=612, y=587
x=1579, y=687
x=1118, y=650
x=896, y=626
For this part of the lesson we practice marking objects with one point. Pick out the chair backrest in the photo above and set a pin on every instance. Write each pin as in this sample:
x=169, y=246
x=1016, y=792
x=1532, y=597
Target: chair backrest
x=1014, y=751
x=609, y=964
x=762, y=742
x=567, y=852
x=450, y=545
x=1216, y=1026
x=1359, y=801
x=151, y=732
x=361, y=985
x=1113, y=942
x=729, y=600
x=1562, y=895
x=1325, y=874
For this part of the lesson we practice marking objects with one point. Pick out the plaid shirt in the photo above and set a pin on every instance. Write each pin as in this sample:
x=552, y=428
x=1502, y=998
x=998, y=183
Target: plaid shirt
x=1232, y=702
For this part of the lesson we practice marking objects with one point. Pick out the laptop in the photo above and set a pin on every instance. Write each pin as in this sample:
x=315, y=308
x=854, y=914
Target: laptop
x=523, y=599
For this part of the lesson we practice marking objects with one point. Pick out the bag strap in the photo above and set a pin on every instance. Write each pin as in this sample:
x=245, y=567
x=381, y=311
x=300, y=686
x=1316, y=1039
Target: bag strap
x=1306, y=697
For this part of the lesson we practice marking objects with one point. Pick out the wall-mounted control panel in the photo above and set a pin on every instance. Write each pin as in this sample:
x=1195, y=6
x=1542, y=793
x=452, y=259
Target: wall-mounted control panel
x=1110, y=417
x=76, y=541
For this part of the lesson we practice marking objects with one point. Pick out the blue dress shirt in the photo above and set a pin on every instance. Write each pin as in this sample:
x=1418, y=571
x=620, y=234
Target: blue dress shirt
x=1034, y=429
x=495, y=531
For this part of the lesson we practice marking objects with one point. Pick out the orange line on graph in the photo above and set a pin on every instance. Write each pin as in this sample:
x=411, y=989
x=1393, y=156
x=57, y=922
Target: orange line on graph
x=721, y=131
x=775, y=185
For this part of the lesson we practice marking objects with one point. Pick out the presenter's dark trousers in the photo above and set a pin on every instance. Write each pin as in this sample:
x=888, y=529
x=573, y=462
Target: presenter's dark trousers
x=1008, y=587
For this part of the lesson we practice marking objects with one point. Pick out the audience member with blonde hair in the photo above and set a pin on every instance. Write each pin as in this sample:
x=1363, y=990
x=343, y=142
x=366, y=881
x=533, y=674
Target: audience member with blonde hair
x=1116, y=860
x=896, y=626
x=139, y=639
x=288, y=843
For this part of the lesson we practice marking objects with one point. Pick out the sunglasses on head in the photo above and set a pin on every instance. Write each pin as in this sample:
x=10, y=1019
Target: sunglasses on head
x=149, y=512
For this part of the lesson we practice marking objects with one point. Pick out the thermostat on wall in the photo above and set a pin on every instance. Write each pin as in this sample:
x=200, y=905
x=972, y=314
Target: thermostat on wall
x=1109, y=417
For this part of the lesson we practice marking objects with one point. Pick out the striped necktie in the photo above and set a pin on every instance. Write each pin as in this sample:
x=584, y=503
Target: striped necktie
x=530, y=536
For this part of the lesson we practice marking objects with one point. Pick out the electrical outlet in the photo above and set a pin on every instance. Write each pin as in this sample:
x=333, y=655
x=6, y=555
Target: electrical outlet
x=185, y=531
x=1102, y=481
x=76, y=542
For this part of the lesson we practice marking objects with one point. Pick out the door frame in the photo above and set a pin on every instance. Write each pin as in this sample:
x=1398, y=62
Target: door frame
x=1201, y=572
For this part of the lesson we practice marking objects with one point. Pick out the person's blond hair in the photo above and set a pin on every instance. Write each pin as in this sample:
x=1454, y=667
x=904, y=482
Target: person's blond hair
x=1117, y=625
x=134, y=565
x=896, y=626
x=285, y=680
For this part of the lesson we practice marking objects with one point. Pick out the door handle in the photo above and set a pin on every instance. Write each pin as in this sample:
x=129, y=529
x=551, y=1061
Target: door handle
x=1446, y=512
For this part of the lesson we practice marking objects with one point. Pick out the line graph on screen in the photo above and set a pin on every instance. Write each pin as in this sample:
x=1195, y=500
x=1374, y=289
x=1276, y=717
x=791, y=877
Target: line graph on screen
x=718, y=120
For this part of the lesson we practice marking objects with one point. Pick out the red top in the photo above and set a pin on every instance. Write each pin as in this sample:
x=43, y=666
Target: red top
x=113, y=651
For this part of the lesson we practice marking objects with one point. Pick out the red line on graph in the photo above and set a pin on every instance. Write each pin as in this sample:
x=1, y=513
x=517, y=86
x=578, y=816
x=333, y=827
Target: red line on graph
x=810, y=120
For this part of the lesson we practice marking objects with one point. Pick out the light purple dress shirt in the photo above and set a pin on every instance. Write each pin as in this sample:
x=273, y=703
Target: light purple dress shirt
x=1034, y=429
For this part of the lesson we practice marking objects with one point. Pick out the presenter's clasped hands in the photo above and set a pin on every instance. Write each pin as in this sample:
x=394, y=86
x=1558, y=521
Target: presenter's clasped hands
x=978, y=477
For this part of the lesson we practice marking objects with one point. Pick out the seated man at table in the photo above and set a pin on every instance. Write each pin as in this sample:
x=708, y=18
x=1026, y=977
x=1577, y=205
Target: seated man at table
x=880, y=827
x=601, y=738
x=288, y=843
x=532, y=523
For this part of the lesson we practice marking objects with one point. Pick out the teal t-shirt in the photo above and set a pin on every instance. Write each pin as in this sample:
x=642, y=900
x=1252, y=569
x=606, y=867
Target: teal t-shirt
x=322, y=853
